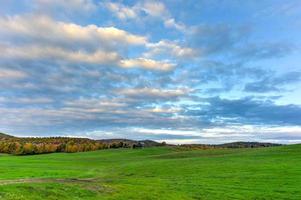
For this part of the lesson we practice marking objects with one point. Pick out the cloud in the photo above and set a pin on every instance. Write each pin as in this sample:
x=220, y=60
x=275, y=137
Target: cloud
x=29, y=101
x=64, y=8
x=139, y=133
x=264, y=51
x=218, y=77
x=272, y=83
x=121, y=11
x=158, y=10
x=95, y=103
x=290, y=8
x=53, y=53
x=12, y=74
x=47, y=31
x=248, y=111
x=44, y=38
x=36, y=53
x=174, y=110
x=154, y=9
x=79, y=116
x=166, y=47
x=154, y=93
x=147, y=64
x=216, y=38
x=171, y=23
x=275, y=134
x=235, y=42
x=70, y=68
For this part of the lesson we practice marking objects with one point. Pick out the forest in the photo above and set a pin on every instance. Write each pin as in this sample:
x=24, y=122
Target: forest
x=41, y=145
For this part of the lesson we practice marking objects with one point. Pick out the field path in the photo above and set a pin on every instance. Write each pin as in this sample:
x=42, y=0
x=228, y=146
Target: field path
x=44, y=180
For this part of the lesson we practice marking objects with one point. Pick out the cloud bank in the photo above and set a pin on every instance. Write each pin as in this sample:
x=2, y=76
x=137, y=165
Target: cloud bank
x=150, y=70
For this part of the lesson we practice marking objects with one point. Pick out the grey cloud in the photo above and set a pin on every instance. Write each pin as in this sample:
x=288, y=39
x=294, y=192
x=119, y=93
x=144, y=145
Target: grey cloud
x=273, y=84
x=234, y=42
x=64, y=9
x=264, y=51
x=223, y=76
x=212, y=39
x=247, y=110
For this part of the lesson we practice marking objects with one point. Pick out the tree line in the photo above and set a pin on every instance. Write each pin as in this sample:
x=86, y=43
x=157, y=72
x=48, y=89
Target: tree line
x=30, y=146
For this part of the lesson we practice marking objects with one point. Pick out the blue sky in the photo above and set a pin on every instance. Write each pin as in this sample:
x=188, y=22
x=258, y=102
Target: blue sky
x=177, y=71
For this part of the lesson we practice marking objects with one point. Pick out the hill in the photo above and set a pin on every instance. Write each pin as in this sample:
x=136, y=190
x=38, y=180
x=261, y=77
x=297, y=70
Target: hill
x=5, y=136
x=165, y=173
x=39, y=145
x=248, y=145
x=131, y=143
x=231, y=145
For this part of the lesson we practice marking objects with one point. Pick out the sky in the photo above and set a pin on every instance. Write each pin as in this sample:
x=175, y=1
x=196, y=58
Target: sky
x=197, y=71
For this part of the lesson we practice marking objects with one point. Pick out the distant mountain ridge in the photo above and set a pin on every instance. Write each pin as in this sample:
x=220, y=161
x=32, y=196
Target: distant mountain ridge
x=38, y=145
x=142, y=143
x=239, y=144
x=3, y=136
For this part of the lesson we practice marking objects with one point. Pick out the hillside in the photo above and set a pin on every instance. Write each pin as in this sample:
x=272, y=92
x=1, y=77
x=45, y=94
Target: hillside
x=40, y=145
x=165, y=173
x=131, y=143
x=248, y=145
x=5, y=136
x=231, y=145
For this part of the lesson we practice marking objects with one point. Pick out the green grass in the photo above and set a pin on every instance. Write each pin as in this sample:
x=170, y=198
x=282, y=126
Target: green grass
x=155, y=173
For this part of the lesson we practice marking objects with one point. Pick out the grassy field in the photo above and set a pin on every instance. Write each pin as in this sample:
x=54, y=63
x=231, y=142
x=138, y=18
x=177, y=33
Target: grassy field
x=155, y=173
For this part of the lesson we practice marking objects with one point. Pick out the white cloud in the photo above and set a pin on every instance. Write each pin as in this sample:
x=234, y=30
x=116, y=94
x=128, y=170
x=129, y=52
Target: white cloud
x=53, y=53
x=121, y=11
x=147, y=64
x=166, y=110
x=38, y=100
x=95, y=102
x=64, y=7
x=167, y=131
x=158, y=9
x=154, y=92
x=151, y=8
x=12, y=74
x=97, y=57
x=171, y=48
x=46, y=30
x=155, y=9
x=44, y=38
x=171, y=23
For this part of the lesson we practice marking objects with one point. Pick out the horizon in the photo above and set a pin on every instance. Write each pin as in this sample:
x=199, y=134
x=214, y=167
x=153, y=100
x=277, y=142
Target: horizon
x=158, y=141
x=197, y=72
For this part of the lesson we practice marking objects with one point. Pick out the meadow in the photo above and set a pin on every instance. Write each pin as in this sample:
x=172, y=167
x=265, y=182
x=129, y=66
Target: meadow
x=154, y=173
